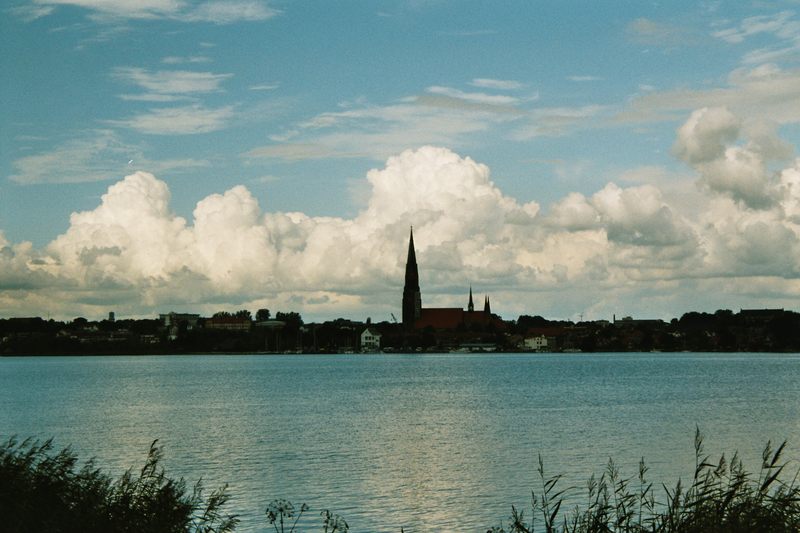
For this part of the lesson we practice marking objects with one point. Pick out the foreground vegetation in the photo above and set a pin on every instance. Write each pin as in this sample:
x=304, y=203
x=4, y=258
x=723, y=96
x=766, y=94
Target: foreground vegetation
x=43, y=490
x=722, y=498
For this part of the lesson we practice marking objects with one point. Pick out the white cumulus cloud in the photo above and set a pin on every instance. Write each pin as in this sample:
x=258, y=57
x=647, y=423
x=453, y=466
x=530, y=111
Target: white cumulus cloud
x=620, y=244
x=707, y=142
x=704, y=135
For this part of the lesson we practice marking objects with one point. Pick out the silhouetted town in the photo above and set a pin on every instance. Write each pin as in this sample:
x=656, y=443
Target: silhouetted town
x=750, y=330
x=421, y=329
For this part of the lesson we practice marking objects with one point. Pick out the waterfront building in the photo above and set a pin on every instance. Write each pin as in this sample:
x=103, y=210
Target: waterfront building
x=370, y=340
x=229, y=323
x=537, y=343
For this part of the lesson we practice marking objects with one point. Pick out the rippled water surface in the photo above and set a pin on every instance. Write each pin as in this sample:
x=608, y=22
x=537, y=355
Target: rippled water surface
x=427, y=442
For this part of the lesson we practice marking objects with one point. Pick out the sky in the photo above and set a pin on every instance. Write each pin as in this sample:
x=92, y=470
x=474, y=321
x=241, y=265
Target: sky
x=575, y=160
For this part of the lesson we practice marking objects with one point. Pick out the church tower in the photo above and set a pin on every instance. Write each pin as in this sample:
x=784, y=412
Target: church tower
x=486, y=307
x=470, y=305
x=412, y=300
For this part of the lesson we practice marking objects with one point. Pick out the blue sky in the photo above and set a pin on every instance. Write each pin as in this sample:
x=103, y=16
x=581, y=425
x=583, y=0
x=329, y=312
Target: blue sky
x=601, y=121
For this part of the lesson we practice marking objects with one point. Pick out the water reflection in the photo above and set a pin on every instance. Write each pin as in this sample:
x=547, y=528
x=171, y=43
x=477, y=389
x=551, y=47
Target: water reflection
x=423, y=442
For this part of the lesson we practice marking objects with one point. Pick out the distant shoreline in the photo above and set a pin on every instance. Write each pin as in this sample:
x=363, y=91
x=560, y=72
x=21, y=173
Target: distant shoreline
x=749, y=330
x=381, y=354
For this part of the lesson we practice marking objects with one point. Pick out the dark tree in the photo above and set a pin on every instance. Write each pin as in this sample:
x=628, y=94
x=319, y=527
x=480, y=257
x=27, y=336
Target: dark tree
x=292, y=319
x=526, y=322
x=243, y=313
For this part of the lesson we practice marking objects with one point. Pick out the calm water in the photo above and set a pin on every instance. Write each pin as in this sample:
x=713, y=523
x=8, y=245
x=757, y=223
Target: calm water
x=427, y=442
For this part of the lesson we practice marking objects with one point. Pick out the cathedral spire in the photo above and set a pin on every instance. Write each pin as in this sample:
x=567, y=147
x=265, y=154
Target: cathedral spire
x=412, y=300
x=470, y=305
x=486, y=307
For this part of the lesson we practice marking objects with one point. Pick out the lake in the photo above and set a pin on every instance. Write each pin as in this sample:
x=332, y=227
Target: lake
x=427, y=442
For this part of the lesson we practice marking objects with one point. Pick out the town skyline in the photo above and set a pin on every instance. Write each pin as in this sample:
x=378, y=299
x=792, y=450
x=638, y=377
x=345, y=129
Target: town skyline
x=573, y=161
x=748, y=330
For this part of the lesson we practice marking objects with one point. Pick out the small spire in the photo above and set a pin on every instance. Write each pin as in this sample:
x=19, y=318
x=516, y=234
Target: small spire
x=486, y=307
x=470, y=305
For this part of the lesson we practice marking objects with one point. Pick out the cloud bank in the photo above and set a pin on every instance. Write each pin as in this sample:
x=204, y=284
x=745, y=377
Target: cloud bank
x=622, y=249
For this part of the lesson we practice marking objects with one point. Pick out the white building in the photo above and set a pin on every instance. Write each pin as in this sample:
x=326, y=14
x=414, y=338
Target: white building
x=370, y=340
x=538, y=344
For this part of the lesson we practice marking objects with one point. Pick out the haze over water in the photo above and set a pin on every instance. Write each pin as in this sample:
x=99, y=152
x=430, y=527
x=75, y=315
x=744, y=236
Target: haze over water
x=427, y=442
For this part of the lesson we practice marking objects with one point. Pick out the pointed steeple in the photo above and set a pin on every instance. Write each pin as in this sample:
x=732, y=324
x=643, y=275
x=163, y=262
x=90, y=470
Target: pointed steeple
x=411, y=260
x=470, y=305
x=412, y=300
x=486, y=307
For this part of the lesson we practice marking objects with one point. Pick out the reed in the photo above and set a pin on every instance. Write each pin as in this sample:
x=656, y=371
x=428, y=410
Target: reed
x=281, y=512
x=45, y=490
x=721, y=498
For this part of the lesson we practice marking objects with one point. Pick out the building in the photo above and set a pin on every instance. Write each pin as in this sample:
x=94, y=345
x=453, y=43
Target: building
x=370, y=340
x=173, y=322
x=417, y=317
x=174, y=319
x=412, y=298
x=229, y=323
x=538, y=343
